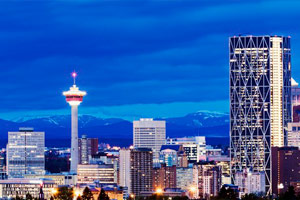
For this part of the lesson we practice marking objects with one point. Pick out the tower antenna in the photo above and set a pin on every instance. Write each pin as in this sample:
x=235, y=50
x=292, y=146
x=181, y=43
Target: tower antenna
x=74, y=74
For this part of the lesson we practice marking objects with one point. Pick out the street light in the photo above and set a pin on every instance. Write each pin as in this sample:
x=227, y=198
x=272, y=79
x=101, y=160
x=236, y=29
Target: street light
x=54, y=191
x=193, y=190
x=159, y=191
x=132, y=196
x=77, y=193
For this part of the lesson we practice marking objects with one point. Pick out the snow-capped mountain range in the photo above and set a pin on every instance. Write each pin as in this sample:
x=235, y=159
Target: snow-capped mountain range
x=58, y=127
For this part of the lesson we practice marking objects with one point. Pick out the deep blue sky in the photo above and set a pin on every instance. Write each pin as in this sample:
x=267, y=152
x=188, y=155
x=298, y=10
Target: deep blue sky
x=134, y=58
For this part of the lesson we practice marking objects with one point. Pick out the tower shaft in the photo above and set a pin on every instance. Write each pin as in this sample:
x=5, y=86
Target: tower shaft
x=74, y=138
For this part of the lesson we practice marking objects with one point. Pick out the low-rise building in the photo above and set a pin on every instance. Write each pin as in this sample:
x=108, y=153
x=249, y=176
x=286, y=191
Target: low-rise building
x=20, y=187
x=169, y=192
x=64, y=178
x=173, y=155
x=194, y=147
x=293, y=135
x=96, y=173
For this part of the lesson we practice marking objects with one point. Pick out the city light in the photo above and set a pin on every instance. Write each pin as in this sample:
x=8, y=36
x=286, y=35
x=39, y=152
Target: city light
x=77, y=193
x=74, y=74
x=159, y=191
x=54, y=191
x=193, y=189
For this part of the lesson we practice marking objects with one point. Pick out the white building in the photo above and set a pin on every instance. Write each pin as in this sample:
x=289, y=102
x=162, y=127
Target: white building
x=294, y=134
x=19, y=186
x=207, y=177
x=184, y=178
x=25, y=153
x=250, y=182
x=194, y=147
x=92, y=173
x=124, y=169
x=64, y=178
x=148, y=133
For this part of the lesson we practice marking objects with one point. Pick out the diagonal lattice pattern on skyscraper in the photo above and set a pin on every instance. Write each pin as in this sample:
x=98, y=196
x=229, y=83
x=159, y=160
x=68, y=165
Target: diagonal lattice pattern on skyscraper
x=259, y=101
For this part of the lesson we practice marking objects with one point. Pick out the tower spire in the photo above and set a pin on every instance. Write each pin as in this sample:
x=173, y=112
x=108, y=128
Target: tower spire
x=74, y=74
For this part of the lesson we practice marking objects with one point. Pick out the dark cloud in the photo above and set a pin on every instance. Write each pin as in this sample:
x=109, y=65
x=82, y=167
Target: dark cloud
x=128, y=52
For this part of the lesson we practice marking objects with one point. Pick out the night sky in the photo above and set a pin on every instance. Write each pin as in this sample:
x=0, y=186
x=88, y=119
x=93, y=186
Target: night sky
x=135, y=59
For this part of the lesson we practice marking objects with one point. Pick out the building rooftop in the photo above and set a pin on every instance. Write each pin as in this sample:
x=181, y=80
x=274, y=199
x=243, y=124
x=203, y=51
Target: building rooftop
x=172, y=147
x=26, y=181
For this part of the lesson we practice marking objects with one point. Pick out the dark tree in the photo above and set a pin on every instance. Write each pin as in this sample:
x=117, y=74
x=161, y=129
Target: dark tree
x=51, y=198
x=226, y=194
x=19, y=198
x=29, y=197
x=289, y=194
x=103, y=195
x=79, y=198
x=64, y=193
x=250, y=197
x=87, y=194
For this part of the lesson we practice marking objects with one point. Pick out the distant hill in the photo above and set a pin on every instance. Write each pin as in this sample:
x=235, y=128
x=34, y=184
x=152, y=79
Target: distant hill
x=208, y=124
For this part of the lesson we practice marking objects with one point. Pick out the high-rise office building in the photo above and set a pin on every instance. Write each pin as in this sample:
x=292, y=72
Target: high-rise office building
x=149, y=133
x=207, y=177
x=194, y=147
x=124, y=169
x=260, y=101
x=285, y=168
x=295, y=96
x=250, y=182
x=25, y=153
x=87, y=148
x=74, y=97
x=184, y=178
x=141, y=172
x=164, y=177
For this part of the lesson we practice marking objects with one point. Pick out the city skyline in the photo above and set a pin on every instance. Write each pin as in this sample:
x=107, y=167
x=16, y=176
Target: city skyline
x=182, y=64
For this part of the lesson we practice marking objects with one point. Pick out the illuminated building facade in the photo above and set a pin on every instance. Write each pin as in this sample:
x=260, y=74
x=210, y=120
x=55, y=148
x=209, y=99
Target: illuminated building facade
x=250, y=182
x=194, y=147
x=285, y=168
x=207, y=178
x=87, y=148
x=141, y=171
x=164, y=177
x=173, y=155
x=11, y=188
x=74, y=97
x=101, y=173
x=184, y=177
x=124, y=169
x=260, y=101
x=149, y=133
x=25, y=153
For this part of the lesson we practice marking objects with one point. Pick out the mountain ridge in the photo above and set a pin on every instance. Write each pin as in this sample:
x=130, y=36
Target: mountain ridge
x=58, y=126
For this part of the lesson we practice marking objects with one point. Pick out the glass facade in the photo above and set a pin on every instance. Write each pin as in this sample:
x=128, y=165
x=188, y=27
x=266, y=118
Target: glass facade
x=25, y=153
x=149, y=133
x=260, y=101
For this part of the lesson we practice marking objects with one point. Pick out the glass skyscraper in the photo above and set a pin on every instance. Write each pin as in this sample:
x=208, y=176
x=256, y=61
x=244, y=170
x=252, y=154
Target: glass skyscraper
x=25, y=153
x=260, y=101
